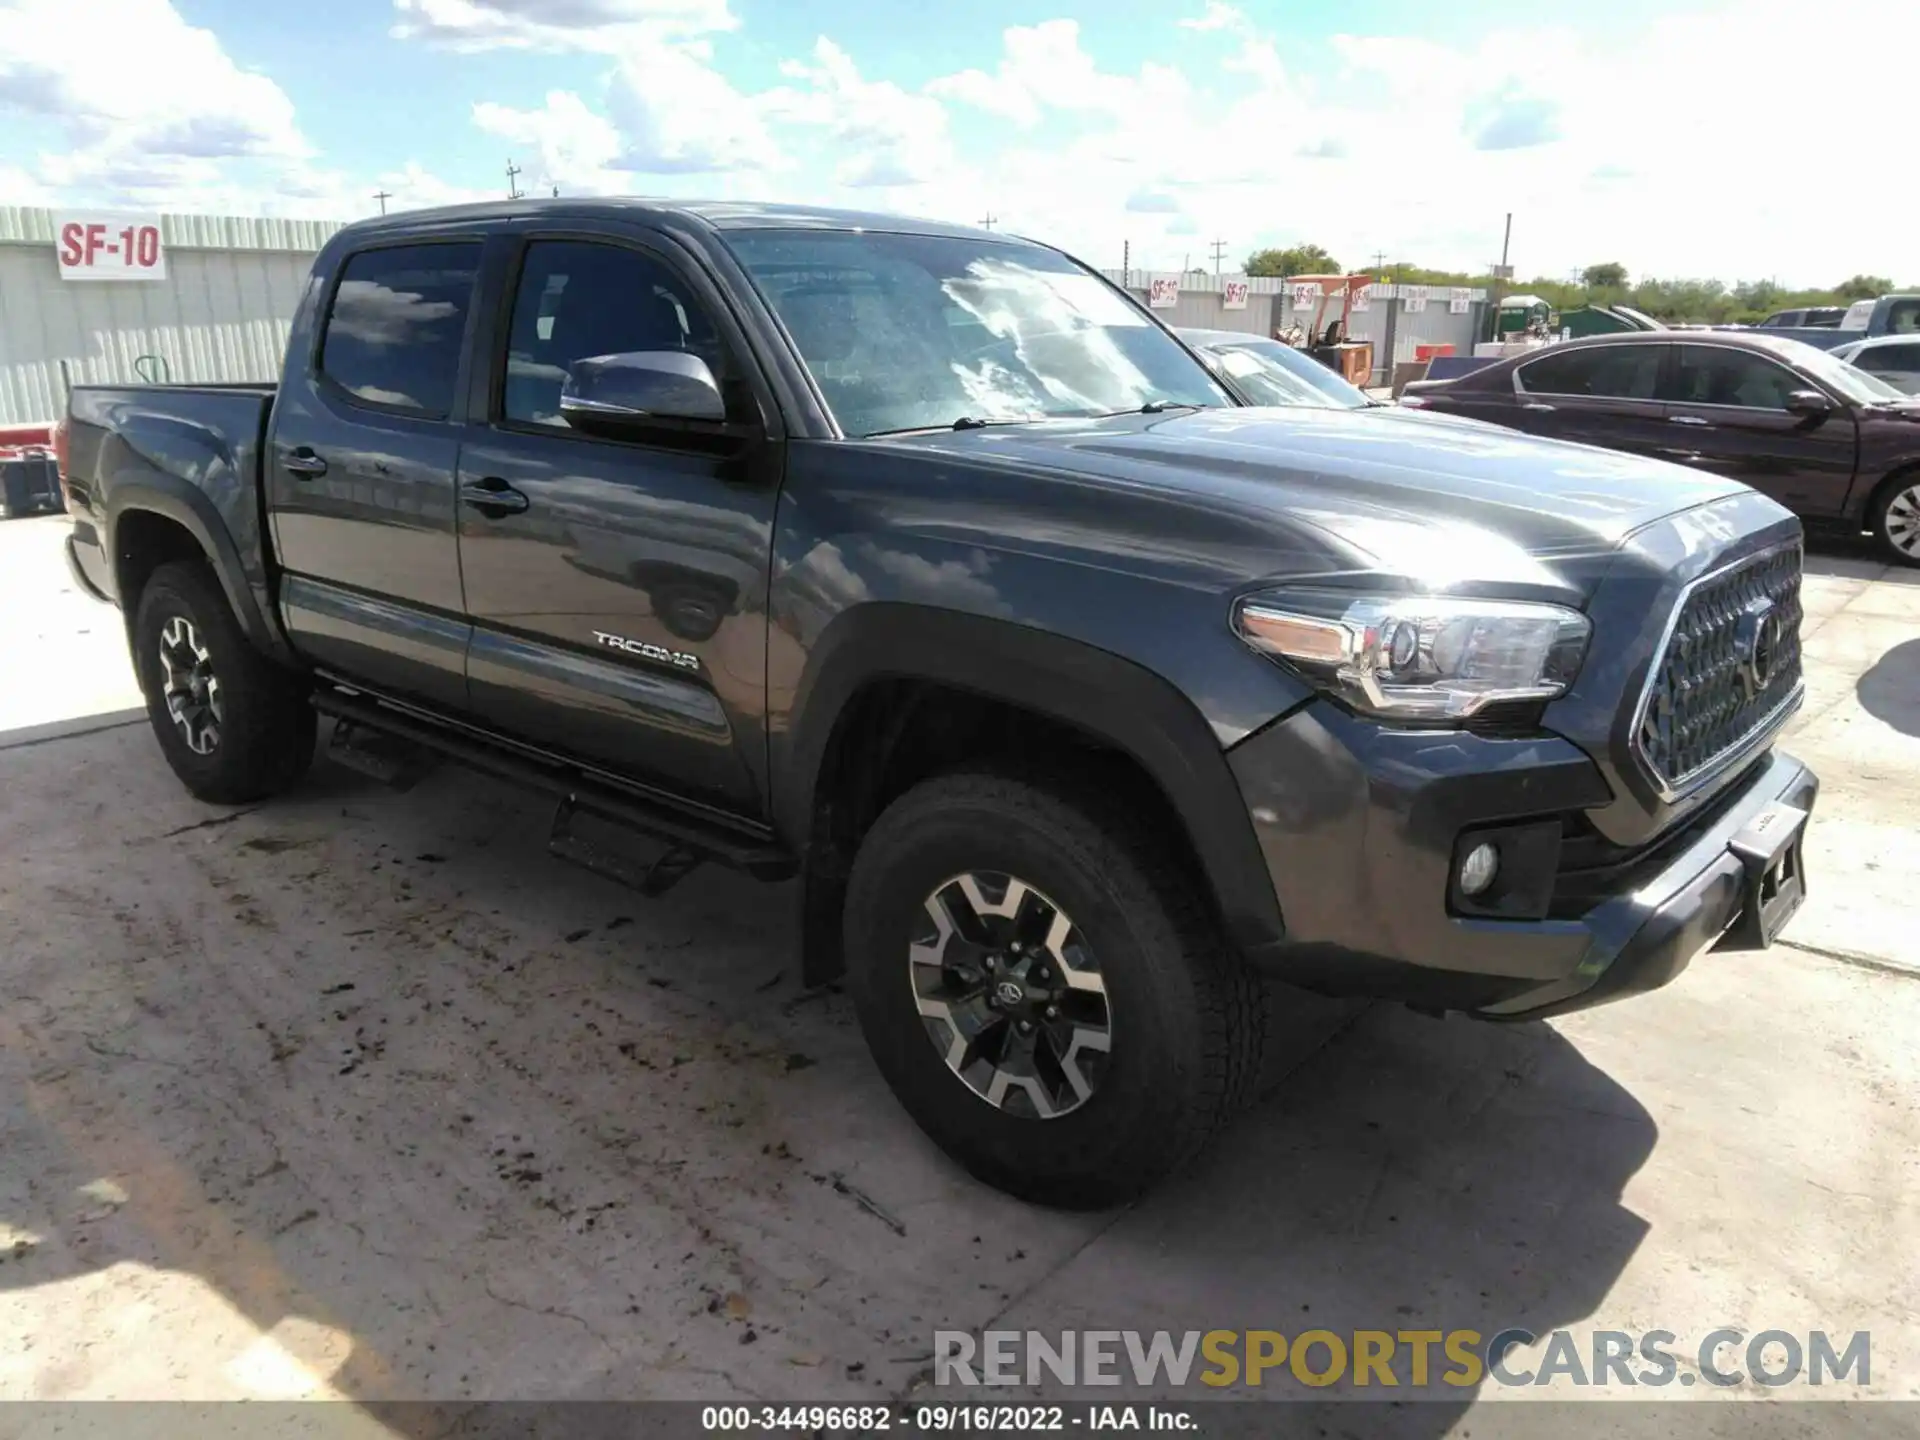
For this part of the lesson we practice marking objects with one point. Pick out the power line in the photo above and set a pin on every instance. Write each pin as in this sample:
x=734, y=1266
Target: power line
x=383, y=196
x=514, y=192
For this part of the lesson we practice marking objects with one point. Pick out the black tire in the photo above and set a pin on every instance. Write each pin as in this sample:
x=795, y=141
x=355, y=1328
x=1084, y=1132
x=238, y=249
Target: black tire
x=1882, y=518
x=1188, y=1020
x=265, y=725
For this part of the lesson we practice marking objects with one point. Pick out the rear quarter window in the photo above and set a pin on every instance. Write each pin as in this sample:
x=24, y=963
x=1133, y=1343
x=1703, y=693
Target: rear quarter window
x=397, y=323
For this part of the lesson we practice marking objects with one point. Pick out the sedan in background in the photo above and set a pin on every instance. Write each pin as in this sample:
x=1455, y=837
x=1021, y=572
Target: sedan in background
x=1892, y=358
x=1827, y=440
x=1267, y=372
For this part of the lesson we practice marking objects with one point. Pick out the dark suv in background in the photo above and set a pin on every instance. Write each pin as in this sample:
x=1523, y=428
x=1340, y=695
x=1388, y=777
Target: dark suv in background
x=1832, y=443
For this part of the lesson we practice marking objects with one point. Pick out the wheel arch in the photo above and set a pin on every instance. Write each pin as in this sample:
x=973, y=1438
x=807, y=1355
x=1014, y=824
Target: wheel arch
x=868, y=684
x=157, y=518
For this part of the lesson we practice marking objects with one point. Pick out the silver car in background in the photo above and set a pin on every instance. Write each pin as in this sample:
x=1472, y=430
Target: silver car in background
x=1892, y=358
x=1268, y=372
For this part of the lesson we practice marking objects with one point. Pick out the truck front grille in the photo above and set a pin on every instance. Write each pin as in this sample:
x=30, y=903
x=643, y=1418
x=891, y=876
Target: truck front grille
x=1727, y=674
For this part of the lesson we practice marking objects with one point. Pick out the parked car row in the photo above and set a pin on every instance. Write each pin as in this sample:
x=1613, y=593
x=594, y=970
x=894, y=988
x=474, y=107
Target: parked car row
x=1825, y=438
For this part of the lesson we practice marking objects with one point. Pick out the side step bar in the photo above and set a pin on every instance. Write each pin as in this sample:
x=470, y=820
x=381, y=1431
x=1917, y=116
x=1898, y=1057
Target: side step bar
x=690, y=838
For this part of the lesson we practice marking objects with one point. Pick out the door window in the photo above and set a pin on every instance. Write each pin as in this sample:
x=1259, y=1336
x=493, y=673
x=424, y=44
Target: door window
x=1613, y=372
x=1712, y=375
x=1891, y=359
x=577, y=299
x=399, y=315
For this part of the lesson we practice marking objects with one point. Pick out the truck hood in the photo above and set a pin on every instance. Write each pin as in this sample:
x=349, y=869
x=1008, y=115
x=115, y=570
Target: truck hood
x=1383, y=490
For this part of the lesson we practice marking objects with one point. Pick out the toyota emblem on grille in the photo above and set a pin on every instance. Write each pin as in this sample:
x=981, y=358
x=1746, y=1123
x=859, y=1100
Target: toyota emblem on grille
x=1756, y=640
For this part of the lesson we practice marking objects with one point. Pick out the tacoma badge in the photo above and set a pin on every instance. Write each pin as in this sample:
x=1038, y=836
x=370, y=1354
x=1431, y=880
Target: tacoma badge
x=679, y=658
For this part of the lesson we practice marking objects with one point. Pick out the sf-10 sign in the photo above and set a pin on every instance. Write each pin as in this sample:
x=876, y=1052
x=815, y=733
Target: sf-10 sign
x=109, y=247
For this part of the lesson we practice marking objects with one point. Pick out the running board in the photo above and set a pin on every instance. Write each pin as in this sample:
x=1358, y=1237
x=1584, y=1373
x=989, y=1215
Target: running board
x=652, y=878
x=696, y=838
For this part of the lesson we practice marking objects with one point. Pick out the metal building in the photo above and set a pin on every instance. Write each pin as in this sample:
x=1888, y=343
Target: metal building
x=221, y=313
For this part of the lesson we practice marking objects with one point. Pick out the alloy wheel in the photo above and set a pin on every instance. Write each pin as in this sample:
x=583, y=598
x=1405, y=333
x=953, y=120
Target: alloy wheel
x=1902, y=521
x=191, y=689
x=1011, y=995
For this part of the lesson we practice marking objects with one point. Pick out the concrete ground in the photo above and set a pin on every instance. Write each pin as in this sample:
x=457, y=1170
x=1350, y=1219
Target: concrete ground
x=359, y=1094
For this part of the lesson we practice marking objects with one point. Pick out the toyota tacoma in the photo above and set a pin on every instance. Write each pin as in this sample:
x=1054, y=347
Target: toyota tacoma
x=926, y=568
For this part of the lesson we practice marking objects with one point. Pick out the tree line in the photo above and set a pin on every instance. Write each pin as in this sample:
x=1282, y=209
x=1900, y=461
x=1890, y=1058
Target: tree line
x=1710, y=302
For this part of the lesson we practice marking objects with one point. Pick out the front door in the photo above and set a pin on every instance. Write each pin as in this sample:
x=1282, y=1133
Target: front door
x=360, y=473
x=617, y=588
x=1594, y=394
x=1727, y=412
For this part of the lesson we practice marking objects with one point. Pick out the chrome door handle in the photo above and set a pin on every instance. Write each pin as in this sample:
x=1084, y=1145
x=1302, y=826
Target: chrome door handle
x=493, y=497
x=304, y=463
x=1536, y=405
x=1688, y=420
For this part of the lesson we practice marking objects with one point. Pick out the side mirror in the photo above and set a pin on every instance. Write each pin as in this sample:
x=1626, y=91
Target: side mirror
x=615, y=395
x=1808, y=402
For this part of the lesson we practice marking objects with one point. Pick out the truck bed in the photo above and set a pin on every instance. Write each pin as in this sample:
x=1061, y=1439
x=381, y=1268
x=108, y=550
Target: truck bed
x=197, y=448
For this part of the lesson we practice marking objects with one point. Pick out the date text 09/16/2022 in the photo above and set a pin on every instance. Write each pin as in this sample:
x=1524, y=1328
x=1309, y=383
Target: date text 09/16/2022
x=941, y=1419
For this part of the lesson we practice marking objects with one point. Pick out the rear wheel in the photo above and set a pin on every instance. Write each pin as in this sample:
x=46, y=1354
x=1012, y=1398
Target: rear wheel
x=233, y=725
x=1896, y=518
x=1044, y=990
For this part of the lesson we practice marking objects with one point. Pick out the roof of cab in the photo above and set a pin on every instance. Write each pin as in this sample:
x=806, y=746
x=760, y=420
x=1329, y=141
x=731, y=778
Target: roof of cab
x=712, y=214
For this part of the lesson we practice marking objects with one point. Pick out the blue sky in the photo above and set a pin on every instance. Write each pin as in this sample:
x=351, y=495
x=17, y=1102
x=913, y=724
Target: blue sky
x=1379, y=125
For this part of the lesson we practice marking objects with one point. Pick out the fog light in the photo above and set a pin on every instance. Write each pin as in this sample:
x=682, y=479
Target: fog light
x=1479, y=868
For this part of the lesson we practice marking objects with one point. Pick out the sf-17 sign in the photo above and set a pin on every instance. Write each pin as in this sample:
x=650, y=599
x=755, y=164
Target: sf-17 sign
x=1236, y=295
x=1163, y=294
x=97, y=246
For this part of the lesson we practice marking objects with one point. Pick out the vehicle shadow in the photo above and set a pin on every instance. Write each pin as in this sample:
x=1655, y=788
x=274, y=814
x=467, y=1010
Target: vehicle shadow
x=443, y=1120
x=1890, y=691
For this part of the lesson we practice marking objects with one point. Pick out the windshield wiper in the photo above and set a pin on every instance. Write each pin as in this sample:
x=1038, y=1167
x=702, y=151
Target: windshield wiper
x=1152, y=407
x=965, y=422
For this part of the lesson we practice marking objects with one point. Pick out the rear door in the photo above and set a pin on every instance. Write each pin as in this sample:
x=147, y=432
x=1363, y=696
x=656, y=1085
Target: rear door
x=1726, y=411
x=360, y=471
x=618, y=595
x=1596, y=394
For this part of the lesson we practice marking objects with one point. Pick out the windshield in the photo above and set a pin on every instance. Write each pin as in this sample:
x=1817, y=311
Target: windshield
x=1848, y=381
x=906, y=332
x=1270, y=373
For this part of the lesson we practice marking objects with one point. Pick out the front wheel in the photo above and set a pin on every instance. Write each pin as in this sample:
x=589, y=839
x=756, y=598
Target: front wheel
x=1043, y=989
x=1896, y=519
x=234, y=726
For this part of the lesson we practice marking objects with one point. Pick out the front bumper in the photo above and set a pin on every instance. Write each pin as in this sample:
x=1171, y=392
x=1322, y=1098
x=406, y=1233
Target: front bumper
x=1358, y=825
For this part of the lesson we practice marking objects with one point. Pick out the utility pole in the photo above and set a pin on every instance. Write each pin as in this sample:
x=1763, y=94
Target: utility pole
x=1499, y=279
x=1126, y=264
x=514, y=192
x=989, y=221
x=383, y=196
x=1379, y=261
x=1219, y=253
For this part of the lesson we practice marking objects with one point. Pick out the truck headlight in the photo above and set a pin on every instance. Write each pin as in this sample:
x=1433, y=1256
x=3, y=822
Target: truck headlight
x=1419, y=657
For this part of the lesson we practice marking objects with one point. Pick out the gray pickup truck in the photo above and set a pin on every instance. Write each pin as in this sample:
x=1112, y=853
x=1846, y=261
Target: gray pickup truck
x=923, y=567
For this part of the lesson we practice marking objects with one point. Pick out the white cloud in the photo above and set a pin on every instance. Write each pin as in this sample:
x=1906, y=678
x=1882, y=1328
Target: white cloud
x=1044, y=67
x=571, y=146
x=125, y=78
x=1215, y=17
x=604, y=25
x=890, y=137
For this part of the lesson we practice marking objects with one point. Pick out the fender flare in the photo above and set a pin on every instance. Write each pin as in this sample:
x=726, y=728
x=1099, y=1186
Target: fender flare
x=1104, y=695
x=159, y=493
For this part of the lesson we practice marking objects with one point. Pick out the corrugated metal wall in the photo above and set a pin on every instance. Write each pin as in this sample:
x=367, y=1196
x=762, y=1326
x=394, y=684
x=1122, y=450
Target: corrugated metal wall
x=1202, y=301
x=1385, y=323
x=222, y=314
